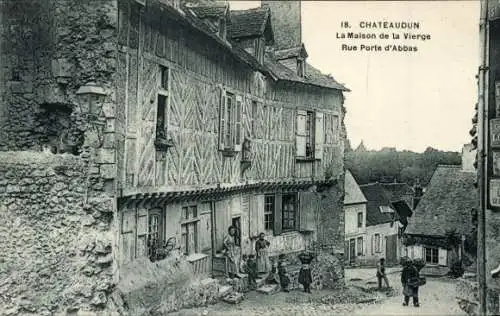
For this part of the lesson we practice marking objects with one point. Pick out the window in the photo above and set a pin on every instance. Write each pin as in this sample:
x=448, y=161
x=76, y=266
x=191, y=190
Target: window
x=360, y=219
x=269, y=212
x=300, y=68
x=360, y=246
x=431, y=255
x=230, y=125
x=309, y=135
x=377, y=243
x=154, y=233
x=289, y=212
x=189, y=230
x=161, y=141
x=254, y=118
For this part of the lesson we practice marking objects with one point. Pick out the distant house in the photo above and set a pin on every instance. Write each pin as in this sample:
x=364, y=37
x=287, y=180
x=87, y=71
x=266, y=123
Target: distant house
x=400, y=191
x=446, y=210
x=355, y=218
x=379, y=232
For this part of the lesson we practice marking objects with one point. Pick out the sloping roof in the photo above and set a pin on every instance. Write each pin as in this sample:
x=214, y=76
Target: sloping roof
x=313, y=76
x=250, y=23
x=446, y=204
x=353, y=194
x=398, y=191
x=377, y=197
x=204, y=12
x=291, y=52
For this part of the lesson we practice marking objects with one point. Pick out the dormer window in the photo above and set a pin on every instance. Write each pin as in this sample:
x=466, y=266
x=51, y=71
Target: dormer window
x=301, y=68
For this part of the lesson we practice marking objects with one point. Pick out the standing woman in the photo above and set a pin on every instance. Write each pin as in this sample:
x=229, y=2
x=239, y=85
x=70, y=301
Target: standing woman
x=305, y=275
x=261, y=247
x=232, y=252
x=410, y=279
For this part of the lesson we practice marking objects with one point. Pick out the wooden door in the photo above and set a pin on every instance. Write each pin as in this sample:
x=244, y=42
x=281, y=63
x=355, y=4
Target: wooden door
x=352, y=251
x=391, y=245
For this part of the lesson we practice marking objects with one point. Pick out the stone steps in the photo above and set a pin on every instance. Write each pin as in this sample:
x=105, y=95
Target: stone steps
x=269, y=289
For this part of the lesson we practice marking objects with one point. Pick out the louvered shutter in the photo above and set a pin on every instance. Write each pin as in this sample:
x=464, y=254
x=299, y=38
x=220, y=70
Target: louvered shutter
x=319, y=136
x=301, y=133
x=238, y=126
x=442, y=257
x=222, y=118
x=256, y=217
x=278, y=215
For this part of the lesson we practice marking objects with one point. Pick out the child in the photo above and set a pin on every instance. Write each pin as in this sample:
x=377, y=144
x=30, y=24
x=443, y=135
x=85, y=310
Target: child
x=305, y=276
x=284, y=279
x=251, y=271
x=243, y=264
x=273, y=277
x=381, y=274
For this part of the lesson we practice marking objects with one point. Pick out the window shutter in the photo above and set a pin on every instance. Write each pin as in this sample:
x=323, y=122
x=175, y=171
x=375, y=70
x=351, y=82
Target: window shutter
x=301, y=133
x=256, y=217
x=306, y=208
x=442, y=256
x=222, y=118
x=238, y=130
x=319, y=136
x=277, y=215
x=373, y=244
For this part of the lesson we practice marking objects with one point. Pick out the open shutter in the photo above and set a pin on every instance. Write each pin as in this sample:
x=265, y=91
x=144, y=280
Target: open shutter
x=256, y=217
x=442, y=257
x=373, y=244
x=319, y=136
x=307, y=211
x=301, y=133
x=238, y=126
x=222, y=118
x=278, y=215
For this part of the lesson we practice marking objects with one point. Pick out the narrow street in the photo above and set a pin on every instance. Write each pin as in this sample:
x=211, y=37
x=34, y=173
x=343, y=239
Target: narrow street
x=437, y=298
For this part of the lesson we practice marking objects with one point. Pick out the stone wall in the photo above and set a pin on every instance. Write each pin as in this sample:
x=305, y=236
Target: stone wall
x=56, y=244
x=49, y=49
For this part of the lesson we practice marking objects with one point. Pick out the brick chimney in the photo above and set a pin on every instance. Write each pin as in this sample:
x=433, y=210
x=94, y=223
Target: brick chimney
x=286, y=21
x=468, y=157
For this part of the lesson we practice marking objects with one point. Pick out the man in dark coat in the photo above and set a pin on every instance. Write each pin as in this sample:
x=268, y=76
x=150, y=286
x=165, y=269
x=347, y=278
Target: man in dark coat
x=410, y=279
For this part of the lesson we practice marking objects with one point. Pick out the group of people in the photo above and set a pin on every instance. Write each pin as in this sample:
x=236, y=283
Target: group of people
x=410, y=280
x=260, y=264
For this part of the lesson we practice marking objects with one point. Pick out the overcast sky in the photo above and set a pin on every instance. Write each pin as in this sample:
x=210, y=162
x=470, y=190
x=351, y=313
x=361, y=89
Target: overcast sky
x=403, y=100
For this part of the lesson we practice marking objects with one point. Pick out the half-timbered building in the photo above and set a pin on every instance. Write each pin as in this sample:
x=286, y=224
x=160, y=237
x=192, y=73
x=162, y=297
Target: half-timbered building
x=224, y=123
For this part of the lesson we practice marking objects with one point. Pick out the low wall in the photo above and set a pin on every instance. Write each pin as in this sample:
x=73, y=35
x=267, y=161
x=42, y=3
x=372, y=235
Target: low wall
x=157, y=288
x=56, y=250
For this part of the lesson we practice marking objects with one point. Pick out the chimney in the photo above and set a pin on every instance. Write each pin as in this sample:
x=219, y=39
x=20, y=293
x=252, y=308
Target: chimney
x=286, y=21
x=468, y=157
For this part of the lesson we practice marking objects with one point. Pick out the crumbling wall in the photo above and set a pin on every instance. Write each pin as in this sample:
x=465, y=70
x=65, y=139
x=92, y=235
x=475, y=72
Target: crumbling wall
x=157, y=288
x=49, y=49
x=56, y=244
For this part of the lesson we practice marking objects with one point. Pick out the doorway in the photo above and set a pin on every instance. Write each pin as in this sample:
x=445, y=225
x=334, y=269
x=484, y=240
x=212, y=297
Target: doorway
x=237, y=224
x=352, y=251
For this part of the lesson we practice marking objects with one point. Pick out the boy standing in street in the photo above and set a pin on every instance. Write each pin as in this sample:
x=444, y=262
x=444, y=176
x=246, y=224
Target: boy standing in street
x=381, y=274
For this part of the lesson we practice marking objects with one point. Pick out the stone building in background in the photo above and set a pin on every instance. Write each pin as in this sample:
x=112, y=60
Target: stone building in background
x=197, y=118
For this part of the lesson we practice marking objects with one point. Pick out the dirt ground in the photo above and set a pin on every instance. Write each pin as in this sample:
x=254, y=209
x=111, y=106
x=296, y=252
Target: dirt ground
x=437, y=297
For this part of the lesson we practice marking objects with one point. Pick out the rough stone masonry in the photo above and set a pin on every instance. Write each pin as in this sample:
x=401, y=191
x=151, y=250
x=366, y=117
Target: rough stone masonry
x=56, y=246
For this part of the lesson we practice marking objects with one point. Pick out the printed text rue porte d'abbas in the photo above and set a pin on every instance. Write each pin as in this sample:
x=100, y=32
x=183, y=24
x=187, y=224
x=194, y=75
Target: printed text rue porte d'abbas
x=382, y=30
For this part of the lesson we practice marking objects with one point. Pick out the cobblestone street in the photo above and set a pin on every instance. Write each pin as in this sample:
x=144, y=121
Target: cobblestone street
x=437, y=298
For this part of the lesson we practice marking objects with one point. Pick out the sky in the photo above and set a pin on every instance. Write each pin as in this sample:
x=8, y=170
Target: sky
x=409, y=100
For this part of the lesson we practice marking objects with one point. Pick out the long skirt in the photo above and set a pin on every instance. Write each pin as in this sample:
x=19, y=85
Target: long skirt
x=233, y=260
x=410, y=291
x=305, y=276
x=263, y=265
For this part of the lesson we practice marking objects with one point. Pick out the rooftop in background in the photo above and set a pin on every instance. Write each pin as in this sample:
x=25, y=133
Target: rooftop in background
x=447, y=204
x=398, y=191
x=353, y=194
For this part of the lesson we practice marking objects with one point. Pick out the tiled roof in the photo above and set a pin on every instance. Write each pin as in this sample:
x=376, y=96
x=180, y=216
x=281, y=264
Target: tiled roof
x=249, y=23
x=291, y=52
x=377, y=197
x=209, y=11
x=447, y=203
x=398, y=191
x=353, y=194
x=313, y=76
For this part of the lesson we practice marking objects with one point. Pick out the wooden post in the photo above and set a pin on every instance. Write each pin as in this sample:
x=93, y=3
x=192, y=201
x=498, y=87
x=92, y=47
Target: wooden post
x=482, y=154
